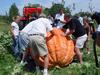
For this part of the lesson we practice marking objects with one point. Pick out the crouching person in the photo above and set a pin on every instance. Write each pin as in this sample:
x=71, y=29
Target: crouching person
x=36, y=31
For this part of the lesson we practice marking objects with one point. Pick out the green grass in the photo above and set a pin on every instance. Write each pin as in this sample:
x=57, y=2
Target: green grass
x=4, y=26
x=9, y=66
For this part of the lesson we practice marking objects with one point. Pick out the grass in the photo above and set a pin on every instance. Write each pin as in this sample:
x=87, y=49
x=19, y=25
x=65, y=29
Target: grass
x=4, y=26
x=9, y=66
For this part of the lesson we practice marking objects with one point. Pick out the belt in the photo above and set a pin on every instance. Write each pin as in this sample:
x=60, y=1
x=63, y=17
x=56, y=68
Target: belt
x=36, y=34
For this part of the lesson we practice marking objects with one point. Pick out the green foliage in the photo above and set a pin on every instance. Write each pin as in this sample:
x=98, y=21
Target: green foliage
x=13, y=11
x=83, y=14
x=46, y=11
x=6, y=59
x=3, y=18
x=33, y=5
x=5, y=44
x=56, y=7
x=9, y=66
x=4, y=26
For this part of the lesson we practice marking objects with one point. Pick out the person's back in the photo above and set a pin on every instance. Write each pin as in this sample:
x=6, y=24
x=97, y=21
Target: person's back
x=76, y=25
x=40, y=25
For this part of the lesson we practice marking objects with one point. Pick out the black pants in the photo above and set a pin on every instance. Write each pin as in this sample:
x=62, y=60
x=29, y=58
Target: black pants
x=94, y=35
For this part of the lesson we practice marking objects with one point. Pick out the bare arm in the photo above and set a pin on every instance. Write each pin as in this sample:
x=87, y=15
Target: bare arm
x=68, y=31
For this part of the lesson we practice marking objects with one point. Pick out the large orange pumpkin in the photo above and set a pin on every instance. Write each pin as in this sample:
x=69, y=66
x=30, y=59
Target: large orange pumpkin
x=61, y=49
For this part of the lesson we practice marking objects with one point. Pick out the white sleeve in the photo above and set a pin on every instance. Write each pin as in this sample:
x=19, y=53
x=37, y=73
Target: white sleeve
x=14, y=26
x=56, y=17
x=48, y=26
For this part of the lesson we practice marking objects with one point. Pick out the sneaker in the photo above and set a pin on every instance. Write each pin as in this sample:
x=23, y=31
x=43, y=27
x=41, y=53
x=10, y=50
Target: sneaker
x=88, y=52
x=45, y=74
x=23, y=63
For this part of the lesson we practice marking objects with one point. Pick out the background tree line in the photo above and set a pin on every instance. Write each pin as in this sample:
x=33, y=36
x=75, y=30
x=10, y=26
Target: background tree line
x=13, y=11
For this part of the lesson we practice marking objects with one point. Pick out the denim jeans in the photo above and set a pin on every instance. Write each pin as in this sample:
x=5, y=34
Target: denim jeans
x=23, y=41
x=15, y=46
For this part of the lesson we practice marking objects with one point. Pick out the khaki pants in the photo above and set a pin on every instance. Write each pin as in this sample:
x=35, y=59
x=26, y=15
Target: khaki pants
x=38, y=45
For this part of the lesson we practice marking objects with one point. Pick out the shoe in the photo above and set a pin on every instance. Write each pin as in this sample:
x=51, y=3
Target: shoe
x=88, y=52
x=46, y=74
x=23, y=63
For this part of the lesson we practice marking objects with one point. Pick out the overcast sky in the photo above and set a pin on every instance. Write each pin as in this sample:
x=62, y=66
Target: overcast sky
x=79, y=4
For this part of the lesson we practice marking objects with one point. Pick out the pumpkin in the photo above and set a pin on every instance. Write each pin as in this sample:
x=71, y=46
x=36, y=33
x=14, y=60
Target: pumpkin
x=60, y=48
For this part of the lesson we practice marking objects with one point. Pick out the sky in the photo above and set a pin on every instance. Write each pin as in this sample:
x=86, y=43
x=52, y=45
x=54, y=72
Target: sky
x=79, y=4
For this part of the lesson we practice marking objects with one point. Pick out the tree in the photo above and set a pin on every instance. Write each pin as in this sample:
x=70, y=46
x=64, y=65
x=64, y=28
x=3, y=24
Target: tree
x=83, y=14
x=13, y=11
x=56, y=7
x=91, y=7
x=46, y=11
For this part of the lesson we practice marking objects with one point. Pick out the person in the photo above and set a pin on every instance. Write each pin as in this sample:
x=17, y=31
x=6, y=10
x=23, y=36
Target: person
x=15, y=34
x=96, y=34
x=88, y=31
x=74, y=27
x=59, y=19
x=91, y=23
x=36, y=30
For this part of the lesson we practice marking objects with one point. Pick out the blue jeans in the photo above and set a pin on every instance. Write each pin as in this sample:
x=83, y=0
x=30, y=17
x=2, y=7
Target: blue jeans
x=23, y=41
x=15, y=46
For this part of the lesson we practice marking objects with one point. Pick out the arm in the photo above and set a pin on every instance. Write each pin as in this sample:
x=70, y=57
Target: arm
x=89, y=32
x=68, y=31
x=64, y=22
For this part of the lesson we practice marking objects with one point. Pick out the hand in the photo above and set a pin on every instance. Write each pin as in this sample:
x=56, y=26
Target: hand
x=63, y=34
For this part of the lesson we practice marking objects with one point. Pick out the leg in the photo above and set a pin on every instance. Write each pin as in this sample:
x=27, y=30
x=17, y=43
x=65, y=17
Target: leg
x=79, y=44
x=36, y=60
x=24, y=54
x=16, y=47
x=45, y=72
x=86, y=46
x=79, y=54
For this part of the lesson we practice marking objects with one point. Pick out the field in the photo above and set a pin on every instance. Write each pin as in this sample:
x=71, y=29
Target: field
x=4, y=26
x=9, y=66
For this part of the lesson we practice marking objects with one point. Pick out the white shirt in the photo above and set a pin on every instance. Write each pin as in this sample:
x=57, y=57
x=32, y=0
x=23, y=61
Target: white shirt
x=15, y=28
x=61, y=18
x=98, y=29
x=81, y=20
x=39, y=26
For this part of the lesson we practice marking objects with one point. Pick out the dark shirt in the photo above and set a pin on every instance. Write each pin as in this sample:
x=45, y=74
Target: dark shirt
x=74, y=24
